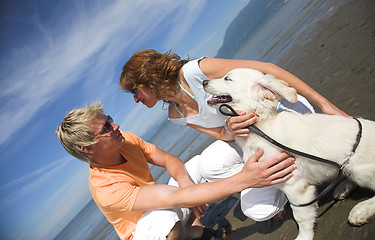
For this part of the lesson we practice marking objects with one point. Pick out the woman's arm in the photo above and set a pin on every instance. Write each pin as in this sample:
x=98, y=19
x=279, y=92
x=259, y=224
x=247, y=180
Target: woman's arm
x=216, y=68
x=218, y=132
x=236, y=126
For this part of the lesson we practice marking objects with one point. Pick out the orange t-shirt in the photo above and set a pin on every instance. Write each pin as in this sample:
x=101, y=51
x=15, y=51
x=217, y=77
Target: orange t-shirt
x=114, y=189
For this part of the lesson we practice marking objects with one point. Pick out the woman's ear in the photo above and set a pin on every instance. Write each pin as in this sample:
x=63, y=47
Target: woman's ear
x=88, y=149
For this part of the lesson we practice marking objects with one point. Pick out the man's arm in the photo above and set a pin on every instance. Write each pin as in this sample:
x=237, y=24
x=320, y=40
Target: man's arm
x=175, y=167
x=254, y=174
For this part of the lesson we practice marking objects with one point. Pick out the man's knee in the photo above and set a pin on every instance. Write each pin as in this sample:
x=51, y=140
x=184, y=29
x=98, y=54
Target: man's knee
x=176, y=232
x=260, y=213
x=256, y=215
x=261, y=204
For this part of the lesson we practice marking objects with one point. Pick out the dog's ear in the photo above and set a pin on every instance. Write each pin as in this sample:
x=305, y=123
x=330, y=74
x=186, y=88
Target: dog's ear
x=279, y=87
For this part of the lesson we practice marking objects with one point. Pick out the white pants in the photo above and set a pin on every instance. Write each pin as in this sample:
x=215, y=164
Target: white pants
x=156, y=224
x=224, y=159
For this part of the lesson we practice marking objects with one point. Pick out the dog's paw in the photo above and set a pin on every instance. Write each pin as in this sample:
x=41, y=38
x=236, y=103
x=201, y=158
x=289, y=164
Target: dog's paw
x=343, y=190
x=359, y=215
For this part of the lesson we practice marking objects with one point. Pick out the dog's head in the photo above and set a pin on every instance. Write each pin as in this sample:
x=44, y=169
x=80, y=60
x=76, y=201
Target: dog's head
x=249, y=90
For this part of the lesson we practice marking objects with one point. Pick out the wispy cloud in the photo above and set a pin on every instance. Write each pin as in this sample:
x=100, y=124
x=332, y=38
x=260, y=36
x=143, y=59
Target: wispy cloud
x=66, y=202
x=30, y=183
x=190, y=12
x=86, y=49
x=60, y=207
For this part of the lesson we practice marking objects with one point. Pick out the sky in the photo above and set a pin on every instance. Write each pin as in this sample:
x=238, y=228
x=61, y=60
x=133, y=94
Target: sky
x=61, y=54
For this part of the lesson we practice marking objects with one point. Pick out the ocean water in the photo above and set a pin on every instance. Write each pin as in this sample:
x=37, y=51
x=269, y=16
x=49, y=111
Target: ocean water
x=281, y=32
x=272, y=38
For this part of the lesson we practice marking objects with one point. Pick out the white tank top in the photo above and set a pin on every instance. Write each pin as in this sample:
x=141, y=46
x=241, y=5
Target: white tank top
x=207, y=117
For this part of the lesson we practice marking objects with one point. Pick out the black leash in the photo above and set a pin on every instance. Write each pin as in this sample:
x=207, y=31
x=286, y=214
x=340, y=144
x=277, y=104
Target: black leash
x=231, y=112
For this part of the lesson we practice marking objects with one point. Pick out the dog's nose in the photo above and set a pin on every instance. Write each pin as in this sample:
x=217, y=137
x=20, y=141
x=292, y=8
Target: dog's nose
x=205, y=82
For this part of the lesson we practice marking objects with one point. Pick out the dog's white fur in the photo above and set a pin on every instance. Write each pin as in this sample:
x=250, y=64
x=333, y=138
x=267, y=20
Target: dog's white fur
x=330, y=137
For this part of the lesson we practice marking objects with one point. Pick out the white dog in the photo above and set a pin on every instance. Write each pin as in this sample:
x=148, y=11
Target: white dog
x=326, y=136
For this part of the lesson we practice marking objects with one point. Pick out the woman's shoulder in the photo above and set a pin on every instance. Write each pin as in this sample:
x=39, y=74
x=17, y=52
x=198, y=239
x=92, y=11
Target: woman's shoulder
x=192, y=71
x=217, y=67
x=193, y=62
x=211, y=67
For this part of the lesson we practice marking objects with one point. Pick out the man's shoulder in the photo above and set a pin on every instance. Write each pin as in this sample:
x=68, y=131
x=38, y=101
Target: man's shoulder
x=126, y=133
x=101, y=177
x=129, y=135
x=131, y=138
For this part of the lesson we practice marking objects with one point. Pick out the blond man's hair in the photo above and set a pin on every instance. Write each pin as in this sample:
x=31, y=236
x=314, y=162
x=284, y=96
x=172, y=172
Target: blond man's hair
x=73, y=132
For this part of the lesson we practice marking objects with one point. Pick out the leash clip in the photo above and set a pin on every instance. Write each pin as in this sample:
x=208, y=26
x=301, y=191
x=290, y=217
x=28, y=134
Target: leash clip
x=346, y=161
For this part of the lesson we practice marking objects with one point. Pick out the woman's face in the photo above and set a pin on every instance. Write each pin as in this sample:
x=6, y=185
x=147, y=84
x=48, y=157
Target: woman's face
x=145, y=95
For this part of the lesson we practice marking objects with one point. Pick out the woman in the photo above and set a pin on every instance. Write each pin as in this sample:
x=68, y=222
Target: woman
x=152, y=76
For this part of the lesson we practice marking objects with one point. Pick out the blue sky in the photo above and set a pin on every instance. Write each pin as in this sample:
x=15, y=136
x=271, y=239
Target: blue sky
x=57, y=55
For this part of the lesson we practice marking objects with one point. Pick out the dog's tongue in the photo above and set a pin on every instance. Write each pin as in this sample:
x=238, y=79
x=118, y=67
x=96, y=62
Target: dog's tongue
x=219, y=99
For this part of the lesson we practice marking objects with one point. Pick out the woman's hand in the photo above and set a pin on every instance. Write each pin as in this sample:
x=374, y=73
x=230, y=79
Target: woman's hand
x=333, y=110
x=237, y=125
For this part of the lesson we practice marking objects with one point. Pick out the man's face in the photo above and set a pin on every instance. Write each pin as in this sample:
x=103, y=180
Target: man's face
x=109, y=138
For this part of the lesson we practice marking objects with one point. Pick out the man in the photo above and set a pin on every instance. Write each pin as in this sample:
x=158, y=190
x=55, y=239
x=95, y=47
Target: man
x=124, y=190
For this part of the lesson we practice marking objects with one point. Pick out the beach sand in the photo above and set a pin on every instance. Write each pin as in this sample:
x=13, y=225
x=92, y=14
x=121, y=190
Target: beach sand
x=336, y=58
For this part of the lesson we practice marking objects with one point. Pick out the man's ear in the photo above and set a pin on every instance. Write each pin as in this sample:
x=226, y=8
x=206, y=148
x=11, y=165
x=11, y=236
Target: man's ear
x=88, y=149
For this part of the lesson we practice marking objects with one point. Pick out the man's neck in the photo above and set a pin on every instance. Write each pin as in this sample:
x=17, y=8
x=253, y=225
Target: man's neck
x=109, y=161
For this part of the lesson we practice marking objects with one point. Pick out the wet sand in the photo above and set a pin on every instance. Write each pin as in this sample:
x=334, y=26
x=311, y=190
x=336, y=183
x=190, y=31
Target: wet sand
x=336, y=58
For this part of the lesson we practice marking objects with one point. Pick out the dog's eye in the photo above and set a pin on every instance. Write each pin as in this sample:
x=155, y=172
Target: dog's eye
x=226, y=78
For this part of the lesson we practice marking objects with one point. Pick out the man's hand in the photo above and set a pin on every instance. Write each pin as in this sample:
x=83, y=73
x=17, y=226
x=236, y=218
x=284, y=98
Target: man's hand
x=274, y=170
